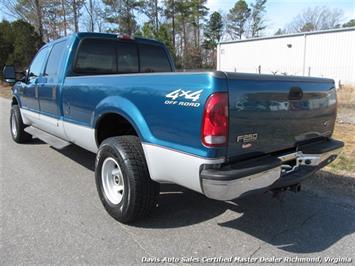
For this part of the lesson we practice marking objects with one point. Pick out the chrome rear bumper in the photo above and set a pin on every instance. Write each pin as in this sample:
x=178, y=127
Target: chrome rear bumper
x=232, y=181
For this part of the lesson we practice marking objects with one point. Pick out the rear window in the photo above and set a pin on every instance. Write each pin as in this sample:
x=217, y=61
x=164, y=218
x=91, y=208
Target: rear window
x=127, y=59
x=153, y=59
x=97, y=56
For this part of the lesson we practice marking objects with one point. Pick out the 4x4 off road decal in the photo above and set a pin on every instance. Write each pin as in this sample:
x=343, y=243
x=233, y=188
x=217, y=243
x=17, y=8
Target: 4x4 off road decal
x=183, y=98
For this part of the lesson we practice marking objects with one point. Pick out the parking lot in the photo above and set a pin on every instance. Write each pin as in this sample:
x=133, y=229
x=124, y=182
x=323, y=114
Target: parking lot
x=50, y=213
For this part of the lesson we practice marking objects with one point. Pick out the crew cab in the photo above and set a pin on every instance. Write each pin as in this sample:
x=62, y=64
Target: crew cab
x=226, y=135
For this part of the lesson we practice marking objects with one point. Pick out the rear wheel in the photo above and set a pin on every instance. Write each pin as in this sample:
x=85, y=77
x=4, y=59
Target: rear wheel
x=17, y=127
x=123, y=181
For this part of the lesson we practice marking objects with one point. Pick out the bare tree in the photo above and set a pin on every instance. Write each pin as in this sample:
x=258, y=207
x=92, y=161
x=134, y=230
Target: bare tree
x=52, y=21
x=38, y=8
x=30, y=11
x=75, y=6
x=170, y=13
x=152, y=10
x=95, y=18
x=90, y=9
x=317, y=18
x=64, y=17
x=122, y=15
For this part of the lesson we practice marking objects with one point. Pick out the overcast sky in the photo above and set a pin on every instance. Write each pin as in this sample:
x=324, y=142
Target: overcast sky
x=280, y=12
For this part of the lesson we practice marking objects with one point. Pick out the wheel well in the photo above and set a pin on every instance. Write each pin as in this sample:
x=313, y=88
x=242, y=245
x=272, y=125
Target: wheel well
x=111, y=125
x=14, y=101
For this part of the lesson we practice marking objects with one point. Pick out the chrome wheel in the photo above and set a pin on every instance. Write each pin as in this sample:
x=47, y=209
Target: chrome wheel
x=13, y=125
x=112, y=180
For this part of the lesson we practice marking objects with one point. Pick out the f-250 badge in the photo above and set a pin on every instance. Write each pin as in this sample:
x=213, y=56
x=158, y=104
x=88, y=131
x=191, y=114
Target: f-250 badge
x=184, y=98
x=246, y=139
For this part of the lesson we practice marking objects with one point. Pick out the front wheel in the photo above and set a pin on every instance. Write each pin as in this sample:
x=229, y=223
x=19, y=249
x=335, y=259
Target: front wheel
x=17, y=127
x=123, y=181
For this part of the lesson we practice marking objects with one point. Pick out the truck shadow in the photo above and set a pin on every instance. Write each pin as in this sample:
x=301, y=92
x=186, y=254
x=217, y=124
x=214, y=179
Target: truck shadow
x=80, y=156
x=300, y=223
x=34, y=141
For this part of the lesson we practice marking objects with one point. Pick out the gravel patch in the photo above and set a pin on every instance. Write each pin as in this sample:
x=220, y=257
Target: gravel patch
x=346, y=116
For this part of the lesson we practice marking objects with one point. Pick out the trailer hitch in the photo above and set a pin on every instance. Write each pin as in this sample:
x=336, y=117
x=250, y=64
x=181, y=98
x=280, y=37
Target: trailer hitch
x=279, y=193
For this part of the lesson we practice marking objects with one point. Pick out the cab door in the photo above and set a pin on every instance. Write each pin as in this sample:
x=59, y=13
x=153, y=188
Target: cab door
x=49, y=91
x=28, y=91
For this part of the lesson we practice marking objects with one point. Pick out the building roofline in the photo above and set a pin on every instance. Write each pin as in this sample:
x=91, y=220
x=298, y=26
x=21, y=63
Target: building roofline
x=290, y=35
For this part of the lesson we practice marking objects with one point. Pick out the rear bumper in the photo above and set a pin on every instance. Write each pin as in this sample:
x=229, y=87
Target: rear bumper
x=266, y=173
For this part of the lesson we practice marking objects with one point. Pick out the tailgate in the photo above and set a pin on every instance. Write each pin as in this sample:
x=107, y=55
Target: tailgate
x=273, y=113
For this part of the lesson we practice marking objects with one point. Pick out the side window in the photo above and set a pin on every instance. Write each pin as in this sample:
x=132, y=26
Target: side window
x=96, y=57
x=55, y=57
x=127, y=58
x=37, y=63
x=153, y=59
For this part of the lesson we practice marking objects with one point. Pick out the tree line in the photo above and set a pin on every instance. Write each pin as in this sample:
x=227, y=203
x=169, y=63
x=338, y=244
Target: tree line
x=187, y=27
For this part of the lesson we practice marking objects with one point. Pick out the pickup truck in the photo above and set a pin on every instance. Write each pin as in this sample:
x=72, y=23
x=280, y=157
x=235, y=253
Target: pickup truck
x=226, y=135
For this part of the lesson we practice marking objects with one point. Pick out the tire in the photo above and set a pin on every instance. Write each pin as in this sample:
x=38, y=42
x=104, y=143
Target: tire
x=120, y=162
x=17, y=128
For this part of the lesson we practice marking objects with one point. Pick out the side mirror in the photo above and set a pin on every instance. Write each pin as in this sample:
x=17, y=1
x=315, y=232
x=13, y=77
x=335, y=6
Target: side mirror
x=24, y=75
x=9, y=74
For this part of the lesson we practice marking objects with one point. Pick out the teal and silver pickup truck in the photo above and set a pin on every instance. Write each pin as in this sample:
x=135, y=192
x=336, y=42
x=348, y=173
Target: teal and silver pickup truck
x=225, y=135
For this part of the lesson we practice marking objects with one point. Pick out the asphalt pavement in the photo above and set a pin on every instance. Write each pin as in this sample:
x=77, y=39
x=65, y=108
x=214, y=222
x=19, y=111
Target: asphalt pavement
x=50, y=213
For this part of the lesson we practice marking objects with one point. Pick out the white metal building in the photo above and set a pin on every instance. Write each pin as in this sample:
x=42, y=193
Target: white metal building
x=328, y=54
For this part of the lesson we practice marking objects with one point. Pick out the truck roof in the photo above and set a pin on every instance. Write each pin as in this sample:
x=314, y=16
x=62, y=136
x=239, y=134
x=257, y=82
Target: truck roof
x=82, y=35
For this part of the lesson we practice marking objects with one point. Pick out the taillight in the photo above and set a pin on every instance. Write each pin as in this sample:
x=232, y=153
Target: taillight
x=215, y=120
